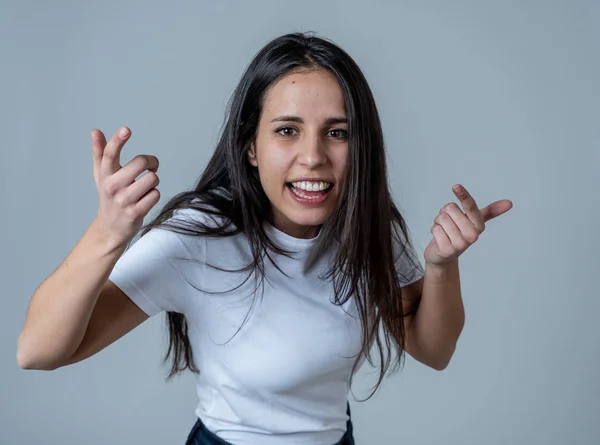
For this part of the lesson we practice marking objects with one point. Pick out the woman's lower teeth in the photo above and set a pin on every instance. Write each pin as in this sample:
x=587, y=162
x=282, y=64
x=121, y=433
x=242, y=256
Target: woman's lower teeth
x=305, y=195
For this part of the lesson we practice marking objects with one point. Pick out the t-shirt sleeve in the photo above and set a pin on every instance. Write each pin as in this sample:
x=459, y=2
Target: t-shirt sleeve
x=408, y=265
x=150, y=271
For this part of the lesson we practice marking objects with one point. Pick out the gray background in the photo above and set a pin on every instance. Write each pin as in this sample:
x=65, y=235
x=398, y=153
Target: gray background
x=500, y=96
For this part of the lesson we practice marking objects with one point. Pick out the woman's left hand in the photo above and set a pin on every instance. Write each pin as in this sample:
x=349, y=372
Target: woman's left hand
x=454, y=230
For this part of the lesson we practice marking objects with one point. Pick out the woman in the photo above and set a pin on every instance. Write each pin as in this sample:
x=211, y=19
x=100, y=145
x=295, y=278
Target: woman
x=279, y=272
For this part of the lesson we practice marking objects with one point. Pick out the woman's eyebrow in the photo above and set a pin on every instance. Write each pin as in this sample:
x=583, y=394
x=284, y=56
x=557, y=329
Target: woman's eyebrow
x=299, y=120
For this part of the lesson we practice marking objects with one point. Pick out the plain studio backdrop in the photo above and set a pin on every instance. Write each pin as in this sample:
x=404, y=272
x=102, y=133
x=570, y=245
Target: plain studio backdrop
x=502, y=97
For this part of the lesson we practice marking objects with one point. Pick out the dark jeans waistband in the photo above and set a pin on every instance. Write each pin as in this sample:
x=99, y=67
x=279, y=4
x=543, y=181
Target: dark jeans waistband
x=200, y=435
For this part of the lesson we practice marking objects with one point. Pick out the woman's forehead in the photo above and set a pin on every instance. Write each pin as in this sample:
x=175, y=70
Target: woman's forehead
x=314, y=94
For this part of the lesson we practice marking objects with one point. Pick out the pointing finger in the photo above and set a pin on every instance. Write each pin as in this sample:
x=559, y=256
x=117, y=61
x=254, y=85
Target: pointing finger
x=98, y=144
x=112, y=152
x=469, y=205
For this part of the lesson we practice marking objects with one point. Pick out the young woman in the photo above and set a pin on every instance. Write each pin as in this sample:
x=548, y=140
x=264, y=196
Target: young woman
x=283, y=269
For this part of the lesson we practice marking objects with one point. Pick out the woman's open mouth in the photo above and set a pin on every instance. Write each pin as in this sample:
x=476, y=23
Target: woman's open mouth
x=310, y=192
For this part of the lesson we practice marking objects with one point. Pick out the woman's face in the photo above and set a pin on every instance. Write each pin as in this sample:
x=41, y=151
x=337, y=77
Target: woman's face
x=301, y=150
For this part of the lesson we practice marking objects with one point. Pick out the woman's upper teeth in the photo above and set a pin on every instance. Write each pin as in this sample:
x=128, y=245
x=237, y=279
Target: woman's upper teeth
x=311, y=186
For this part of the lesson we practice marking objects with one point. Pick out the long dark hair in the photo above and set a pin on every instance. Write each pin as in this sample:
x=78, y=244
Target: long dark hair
x=366, y=229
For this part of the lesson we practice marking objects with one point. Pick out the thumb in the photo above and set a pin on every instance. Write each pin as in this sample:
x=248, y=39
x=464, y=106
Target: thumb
x=496, y=209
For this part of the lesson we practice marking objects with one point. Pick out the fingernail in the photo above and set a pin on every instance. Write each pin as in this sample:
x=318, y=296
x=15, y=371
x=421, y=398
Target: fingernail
x=123, y=133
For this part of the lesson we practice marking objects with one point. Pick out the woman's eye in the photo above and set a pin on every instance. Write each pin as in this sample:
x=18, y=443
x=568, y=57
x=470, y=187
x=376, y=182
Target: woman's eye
x=338, y=134
x=286, y=131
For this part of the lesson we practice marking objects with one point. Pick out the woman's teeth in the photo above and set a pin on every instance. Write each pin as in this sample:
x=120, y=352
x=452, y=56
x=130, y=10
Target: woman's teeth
x=310, y=186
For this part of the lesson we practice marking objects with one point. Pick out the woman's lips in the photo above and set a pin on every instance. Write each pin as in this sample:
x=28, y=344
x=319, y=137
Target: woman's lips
x=309, y=198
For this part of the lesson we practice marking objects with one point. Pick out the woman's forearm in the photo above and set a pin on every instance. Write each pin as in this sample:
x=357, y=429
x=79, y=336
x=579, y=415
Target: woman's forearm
x=440, y=318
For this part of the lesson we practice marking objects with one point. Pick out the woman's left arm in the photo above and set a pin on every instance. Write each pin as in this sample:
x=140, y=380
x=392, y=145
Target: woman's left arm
x=432, y=332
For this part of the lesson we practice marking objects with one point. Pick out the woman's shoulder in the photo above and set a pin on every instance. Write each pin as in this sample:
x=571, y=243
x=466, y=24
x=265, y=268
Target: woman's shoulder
x=183, y=228
x=202, y=213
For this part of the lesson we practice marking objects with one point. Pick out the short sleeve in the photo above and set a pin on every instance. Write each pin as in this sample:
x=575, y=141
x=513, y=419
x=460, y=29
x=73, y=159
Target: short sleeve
x=150, y=271
x=408, y=265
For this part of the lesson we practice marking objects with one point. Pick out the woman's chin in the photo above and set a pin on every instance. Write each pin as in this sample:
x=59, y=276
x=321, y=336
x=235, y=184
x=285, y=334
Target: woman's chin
x=294, y=217
x=309, y=218
x=301, y=224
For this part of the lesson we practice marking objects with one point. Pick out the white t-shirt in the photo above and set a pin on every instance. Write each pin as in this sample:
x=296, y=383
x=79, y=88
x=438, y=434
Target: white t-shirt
x=282, y=377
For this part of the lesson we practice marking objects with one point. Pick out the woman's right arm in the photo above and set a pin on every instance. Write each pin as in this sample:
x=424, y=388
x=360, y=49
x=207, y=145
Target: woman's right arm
x=77, y=311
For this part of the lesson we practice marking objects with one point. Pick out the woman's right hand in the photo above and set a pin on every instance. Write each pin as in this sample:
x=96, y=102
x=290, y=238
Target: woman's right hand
x=124, y=201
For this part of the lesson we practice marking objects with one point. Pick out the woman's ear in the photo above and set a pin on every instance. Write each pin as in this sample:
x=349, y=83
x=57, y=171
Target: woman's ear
x=252, y=156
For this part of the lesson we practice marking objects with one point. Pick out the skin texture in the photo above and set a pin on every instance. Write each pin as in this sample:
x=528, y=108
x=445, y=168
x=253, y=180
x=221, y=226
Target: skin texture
x=307, y=141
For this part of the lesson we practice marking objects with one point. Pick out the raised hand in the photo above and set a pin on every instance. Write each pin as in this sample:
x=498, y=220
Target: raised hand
x=124, y=201
x=454, y=230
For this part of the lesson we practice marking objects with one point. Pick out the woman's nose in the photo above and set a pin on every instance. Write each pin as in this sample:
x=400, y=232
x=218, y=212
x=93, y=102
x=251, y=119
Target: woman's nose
x=312, y=152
